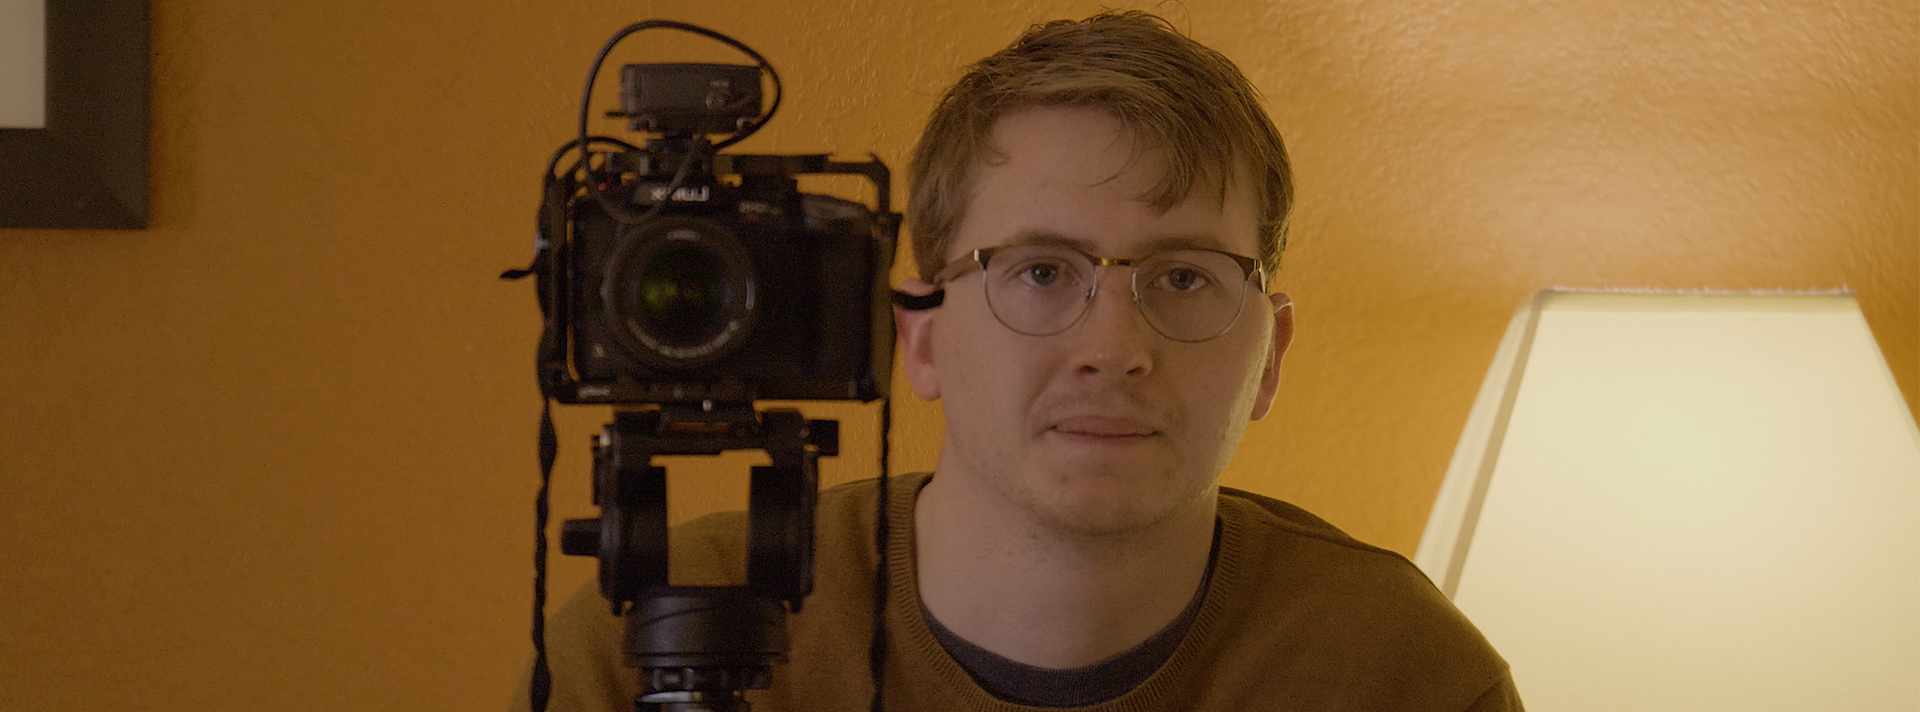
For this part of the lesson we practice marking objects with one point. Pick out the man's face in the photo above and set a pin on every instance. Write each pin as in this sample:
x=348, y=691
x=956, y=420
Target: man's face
x=1109, y=426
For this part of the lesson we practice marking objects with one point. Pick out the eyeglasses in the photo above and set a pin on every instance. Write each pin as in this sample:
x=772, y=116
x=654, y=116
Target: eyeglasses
x=1187, y=295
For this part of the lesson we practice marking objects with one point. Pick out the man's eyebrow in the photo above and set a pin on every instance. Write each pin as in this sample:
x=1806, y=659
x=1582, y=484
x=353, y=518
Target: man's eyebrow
x=1050, y=238
x=1157, y=244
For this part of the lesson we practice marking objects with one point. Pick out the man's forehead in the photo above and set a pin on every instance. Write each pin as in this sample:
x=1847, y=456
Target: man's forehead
x=1150, y=244
x=1059, y=153
x=1064, y=138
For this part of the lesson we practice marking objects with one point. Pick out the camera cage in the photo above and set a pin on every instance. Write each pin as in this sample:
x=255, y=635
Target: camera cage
x=558, y=377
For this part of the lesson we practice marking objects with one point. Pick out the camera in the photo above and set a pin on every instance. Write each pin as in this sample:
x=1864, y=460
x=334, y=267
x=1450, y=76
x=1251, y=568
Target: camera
x=681, y=285
x=670, y=273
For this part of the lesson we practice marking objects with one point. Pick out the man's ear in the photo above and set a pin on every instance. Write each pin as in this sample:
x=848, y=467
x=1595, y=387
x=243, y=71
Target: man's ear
x=1282, y=338
x=913, y=334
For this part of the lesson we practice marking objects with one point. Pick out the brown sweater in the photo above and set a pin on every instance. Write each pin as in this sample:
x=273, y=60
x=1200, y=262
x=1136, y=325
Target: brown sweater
x=1297, y=616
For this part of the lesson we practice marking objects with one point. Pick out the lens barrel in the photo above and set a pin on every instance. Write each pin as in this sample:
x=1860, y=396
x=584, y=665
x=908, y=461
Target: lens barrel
x=680, y=293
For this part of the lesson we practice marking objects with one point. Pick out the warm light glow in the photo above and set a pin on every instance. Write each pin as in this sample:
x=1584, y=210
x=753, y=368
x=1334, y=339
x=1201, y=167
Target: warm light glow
x=1687, y=502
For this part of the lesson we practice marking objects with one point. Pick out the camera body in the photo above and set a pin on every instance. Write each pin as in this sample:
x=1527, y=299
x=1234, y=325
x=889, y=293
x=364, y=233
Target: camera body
x=671, y=274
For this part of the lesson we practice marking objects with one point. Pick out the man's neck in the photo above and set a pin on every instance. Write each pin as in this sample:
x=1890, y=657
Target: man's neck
x=1039, y=596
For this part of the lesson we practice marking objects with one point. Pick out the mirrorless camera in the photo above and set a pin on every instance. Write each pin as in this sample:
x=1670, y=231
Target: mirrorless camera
x=670, y=273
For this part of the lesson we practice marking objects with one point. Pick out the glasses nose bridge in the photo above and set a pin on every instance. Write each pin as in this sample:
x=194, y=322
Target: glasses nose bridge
x=1100, y=265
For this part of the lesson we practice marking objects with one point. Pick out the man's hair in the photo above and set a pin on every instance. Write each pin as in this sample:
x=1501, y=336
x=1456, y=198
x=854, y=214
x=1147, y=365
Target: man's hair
x=1177, y=97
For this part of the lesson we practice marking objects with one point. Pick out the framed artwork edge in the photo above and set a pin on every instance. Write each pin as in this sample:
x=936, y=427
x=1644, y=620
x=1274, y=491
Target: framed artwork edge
x=88, y=167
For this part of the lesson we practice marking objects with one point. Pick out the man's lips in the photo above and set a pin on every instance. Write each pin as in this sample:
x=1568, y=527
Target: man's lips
x=1103, y=427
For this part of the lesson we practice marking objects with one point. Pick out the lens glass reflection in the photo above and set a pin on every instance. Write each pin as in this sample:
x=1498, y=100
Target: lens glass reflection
x=680, y=295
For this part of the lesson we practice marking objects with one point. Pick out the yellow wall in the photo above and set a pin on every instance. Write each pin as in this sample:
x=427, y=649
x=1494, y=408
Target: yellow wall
x=276, y=452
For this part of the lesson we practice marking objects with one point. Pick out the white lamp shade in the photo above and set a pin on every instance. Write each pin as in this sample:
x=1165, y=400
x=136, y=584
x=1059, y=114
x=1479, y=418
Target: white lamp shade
x=1689, y=502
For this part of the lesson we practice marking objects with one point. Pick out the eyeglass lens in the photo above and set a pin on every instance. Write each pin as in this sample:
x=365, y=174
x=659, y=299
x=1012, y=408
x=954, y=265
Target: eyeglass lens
x=1186, y=295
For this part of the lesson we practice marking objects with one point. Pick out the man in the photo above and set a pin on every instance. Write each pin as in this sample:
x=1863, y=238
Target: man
x=1097, y=212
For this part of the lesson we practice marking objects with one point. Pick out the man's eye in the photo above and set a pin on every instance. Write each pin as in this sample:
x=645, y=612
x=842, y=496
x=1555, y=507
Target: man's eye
x=1041, y=274
x=1182, y=280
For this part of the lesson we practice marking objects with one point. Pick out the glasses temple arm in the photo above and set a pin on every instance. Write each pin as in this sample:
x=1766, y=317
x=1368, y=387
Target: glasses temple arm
x=919, y=302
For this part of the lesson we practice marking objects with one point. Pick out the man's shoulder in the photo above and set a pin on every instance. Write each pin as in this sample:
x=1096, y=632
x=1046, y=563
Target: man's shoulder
x=1301, y=555
x=1342, y=614
x=861, y=495
x=852, y=507
x=1290, y=516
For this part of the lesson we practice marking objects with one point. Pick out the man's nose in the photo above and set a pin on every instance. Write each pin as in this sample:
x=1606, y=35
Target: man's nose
x=1113, y=337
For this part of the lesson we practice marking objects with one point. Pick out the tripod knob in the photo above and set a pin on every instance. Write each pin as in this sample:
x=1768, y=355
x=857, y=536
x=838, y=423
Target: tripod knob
x=580, y=537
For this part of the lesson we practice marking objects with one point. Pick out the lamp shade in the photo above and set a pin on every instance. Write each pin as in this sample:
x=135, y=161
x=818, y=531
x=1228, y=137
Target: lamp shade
x=1689, y=502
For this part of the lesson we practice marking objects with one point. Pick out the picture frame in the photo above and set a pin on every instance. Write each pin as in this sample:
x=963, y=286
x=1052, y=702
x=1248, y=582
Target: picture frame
x=88, y=167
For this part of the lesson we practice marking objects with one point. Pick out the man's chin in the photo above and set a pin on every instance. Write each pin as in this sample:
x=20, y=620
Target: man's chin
x=1105, y=501
x=1091, y=520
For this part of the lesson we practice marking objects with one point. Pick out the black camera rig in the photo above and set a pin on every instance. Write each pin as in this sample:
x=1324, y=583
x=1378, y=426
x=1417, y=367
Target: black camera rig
x=726, y=290
x=681, y=285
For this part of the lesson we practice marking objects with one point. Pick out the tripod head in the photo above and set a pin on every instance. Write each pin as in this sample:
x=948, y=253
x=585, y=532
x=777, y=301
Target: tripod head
x=699, y=648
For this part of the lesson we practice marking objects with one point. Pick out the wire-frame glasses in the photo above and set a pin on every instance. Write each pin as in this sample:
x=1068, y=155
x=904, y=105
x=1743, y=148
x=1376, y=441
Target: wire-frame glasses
x=1187, y=295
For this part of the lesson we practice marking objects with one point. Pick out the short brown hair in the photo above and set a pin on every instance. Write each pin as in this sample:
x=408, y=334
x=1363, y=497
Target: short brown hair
x=1188, y=101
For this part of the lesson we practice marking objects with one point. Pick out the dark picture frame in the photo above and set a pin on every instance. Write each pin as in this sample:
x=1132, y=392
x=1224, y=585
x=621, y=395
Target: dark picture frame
x=88, y=167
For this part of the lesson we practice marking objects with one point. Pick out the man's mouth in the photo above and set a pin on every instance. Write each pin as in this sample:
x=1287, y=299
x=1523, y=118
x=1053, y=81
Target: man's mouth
x=1103, y=427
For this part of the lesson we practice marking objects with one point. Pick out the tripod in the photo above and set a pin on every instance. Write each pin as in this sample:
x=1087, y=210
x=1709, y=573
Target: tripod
x=699, y=648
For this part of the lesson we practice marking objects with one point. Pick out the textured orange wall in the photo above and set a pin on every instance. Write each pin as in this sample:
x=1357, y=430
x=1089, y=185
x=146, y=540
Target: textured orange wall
x=277, y=451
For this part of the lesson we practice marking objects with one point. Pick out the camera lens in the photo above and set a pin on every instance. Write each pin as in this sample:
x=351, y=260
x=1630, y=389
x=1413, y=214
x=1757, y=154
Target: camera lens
x=680, y=294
